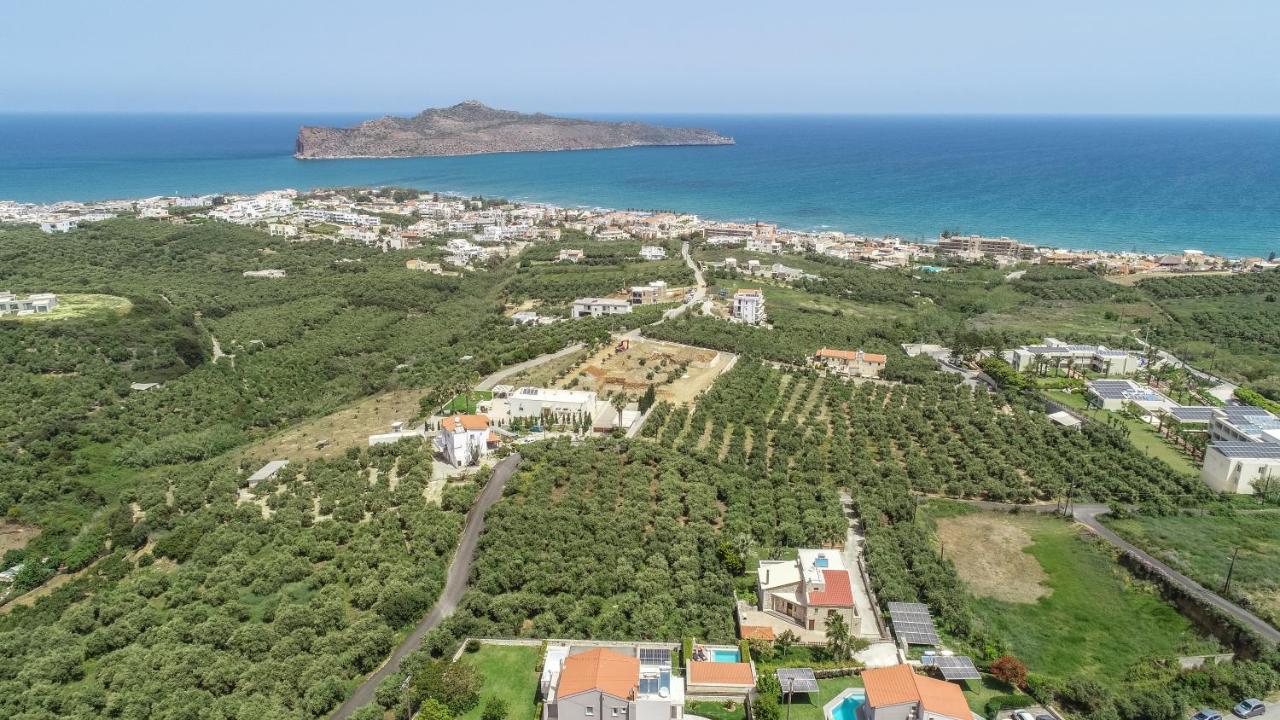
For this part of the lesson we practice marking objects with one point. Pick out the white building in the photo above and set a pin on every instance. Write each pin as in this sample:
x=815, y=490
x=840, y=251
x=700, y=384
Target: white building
x=560, y=405
x=1055, y=353
x=465, y=439
x=1113, y=394
x=596, y=307
x=282, y=230
x=269, y=273
x=35, y=303
x=570, y=255
x=748, y=306
x=653, y=252
x=1243, y=455
x=59, y=226
x=268, y=471
x=808, y=590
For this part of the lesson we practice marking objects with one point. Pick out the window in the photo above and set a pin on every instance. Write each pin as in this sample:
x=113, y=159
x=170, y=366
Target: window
x=615, y=712
x=591, y=712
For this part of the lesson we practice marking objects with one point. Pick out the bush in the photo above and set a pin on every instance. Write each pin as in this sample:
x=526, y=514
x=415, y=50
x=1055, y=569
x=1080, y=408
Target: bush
x=494, y=709
x=473, y=645
x=1011, y=670
x=454, y=685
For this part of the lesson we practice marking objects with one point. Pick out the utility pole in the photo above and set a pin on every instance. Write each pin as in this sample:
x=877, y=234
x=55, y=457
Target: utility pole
x=1226, y=586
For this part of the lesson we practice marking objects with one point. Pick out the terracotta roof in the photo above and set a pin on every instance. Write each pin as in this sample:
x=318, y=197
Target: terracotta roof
x=838, y=593
x=466, y=422
x=721, y=673
x=851, y=355
x=494, y=438
x=899, y=684
x=748, y=291
x=599, y=669
x=757, y=632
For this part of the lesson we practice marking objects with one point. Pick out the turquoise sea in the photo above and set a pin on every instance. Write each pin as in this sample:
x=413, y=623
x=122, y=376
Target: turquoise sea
x=1157, y=184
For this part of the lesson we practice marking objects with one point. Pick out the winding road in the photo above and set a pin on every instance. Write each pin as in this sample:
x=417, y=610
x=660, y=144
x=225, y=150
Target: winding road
x=455, y=586
x=1087, y=514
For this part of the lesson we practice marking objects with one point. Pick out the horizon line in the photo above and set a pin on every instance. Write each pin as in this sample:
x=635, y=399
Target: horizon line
x=692, y=113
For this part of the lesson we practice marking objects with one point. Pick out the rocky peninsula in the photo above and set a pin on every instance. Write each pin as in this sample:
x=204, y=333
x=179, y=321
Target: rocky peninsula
x=471, y=127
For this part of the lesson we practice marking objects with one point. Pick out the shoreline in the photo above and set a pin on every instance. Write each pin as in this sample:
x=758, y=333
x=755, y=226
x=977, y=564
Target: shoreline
x=62, y=206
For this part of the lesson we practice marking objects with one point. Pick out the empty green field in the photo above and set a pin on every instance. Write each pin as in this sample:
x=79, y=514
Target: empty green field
x=1200, y=546
x=510, y=674
x=1089, y=618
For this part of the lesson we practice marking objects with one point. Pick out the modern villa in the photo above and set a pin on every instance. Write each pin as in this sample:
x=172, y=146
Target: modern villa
x=465, y=439
x=11, y=304
x=622, y=682
x=748, y=306
x=898, y=693
x=808, y=590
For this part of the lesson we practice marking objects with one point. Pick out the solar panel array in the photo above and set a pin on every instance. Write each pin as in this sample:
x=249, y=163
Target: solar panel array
x=958, y=667
x=799, y=680
x=913, y=624
x=1250, y=450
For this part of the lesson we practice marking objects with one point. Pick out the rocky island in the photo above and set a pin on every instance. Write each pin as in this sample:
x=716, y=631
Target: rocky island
x=472, y=127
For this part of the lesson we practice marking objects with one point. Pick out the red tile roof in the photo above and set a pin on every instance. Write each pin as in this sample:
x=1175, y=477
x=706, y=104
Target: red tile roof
x=466, y=422
x=757, y=632
x=599, y=669
x=721, y=673
x=838, y=592
x=899, y=684
x=851, y=355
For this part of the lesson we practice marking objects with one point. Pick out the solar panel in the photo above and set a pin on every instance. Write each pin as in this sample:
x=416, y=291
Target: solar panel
x=958, y=667
x=799, y=680
x=1238, y=449
x=913, y=624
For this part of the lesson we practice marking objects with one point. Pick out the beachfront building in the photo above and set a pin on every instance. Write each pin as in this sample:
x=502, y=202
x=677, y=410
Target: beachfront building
x=898, y=693
x=808, y=590
x=972, y=245
x=1054, y=353
x=465, y=439
x=33, y=304
x=748, y=306
x=614, y=682
x=597, y=307
x=850, y=363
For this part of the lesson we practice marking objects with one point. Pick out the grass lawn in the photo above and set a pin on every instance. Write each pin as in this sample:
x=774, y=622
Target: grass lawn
x=508, y=672
x=809, y=707
x=1200, y=546
x=1065, y=318
x=1092, y=619
x=980, y=692
x=74, y=305
x=716, y=710
x=1143, y=435
x=466, y=402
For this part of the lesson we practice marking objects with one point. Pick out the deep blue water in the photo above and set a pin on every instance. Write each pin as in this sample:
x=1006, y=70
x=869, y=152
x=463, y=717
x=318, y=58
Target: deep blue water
x=1082, y=182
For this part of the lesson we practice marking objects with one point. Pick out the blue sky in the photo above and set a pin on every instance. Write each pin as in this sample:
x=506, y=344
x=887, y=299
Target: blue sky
x=852, y=56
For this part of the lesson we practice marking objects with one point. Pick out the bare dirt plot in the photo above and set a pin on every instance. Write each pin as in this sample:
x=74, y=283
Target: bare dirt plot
x=989, y=552
x=348, y=427
x=642, y=363
x=15, y=537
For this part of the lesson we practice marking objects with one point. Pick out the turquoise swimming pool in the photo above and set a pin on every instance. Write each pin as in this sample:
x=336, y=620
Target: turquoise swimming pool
x=847, y=709
x=726, y=656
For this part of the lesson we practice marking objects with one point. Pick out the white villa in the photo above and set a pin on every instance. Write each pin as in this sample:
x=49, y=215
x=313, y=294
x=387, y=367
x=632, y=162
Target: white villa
x=808, y=590
x=532, y=402
x=1243, y=456
x=465, y=439
x=653, y=252
x=748, y=306
x=596, y=307
x=32, y=304
x=1055, y=353
x=619, y=682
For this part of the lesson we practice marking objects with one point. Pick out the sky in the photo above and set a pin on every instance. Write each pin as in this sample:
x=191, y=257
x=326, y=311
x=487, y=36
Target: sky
x=656, y=56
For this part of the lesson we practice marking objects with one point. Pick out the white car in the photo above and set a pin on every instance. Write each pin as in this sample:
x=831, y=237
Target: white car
x=1022, y=715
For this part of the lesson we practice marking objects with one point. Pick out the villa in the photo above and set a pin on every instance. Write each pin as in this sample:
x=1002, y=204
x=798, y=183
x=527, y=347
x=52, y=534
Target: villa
x=597, y=307
x=33, y=304
x=465, y=439
x=850, y=363
x=617, y=682
x=1055, y=353
x=533, y=402
x=808, y=590
x=653, y=252
x=897, y=692
x=1113, y=394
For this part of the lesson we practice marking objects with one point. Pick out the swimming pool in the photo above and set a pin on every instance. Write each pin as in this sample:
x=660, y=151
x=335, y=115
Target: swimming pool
x=846, y=706
x=732, y=656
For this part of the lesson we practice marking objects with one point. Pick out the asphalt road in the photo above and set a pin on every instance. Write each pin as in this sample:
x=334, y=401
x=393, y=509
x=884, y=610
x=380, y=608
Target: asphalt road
x=455, y=586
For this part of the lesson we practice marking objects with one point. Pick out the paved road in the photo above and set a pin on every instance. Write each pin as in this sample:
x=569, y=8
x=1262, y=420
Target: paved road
x=1088, y=514
x=497, y=377
x=699, y=292
x=455, y=585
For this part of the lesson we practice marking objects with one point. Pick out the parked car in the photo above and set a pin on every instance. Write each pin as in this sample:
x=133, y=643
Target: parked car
x=1022, y=715
x=1253, y=707
x=1206, y=714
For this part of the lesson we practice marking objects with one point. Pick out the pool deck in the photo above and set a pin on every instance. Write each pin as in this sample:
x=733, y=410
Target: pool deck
x=839, y=699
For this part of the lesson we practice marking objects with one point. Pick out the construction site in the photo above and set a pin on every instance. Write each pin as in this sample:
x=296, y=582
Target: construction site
x=678, y=373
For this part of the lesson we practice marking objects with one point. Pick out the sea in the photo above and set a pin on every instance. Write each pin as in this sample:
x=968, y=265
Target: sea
x=1152, y=184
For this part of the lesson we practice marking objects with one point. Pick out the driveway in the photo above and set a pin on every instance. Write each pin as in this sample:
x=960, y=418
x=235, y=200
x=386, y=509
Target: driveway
x=455, y=586
x=496, y=378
